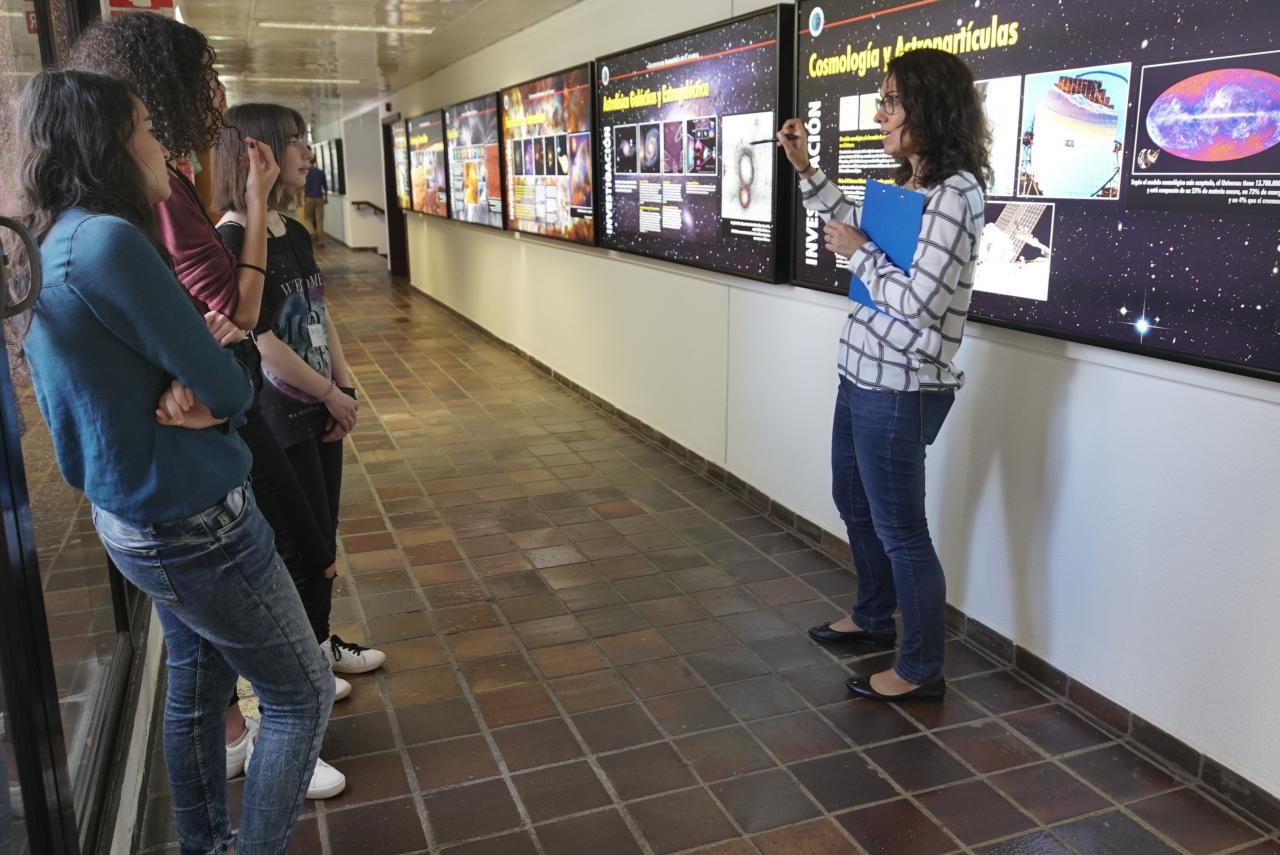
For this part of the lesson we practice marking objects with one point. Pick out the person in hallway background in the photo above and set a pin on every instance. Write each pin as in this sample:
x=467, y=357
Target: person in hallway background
x=170, y=66
x=897, y=375
x=111, y=334
x=315, y=195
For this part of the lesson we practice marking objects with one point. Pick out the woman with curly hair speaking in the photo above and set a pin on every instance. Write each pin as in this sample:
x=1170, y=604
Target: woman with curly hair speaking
x=170, y=66
x=897, y=371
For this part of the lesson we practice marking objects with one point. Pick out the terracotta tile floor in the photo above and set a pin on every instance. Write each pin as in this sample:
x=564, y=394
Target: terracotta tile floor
x=593, y=651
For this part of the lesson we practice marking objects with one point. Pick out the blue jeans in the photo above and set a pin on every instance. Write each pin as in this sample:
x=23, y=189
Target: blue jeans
x=228, y=607
x=878, y=442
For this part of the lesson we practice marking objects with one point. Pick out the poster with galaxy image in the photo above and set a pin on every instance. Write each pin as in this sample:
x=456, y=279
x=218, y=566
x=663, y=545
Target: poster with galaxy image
x=744, y=194
x=1208, y=135
x=428, y=176
x=1135, y=159
x=686, y=153
x=400, y=154
x=546, y=134
x=473, y=149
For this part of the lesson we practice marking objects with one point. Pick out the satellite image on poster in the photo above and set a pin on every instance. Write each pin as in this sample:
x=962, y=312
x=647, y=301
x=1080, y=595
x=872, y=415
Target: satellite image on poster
x=475, y=170
x=427, y=172
x=546, y=134
x=688, y=164
x=1135, y=160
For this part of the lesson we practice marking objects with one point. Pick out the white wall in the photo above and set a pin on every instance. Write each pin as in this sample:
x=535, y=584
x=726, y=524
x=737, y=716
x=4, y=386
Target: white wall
x=1115, y=515
x=362, y=150
x=335, y=217
x=362, y=155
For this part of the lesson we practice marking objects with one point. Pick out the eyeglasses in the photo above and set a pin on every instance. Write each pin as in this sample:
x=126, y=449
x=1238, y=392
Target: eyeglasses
x=889, y=104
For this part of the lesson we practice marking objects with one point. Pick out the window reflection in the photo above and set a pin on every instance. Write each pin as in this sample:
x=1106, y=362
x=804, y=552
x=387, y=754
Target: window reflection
x=13, y=836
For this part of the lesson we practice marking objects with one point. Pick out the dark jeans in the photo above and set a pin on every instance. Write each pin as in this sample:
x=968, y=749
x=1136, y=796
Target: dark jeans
x=298, y=489
x=227, y=607
x=878, y=442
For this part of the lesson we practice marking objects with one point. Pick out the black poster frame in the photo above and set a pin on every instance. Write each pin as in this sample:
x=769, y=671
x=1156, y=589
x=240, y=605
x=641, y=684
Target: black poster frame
x=502, y=159
x=784, y=94
x=590, y=66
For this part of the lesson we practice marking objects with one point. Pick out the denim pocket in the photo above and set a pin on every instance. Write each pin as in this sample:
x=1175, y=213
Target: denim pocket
x=136, y=555
x=934, y=407
x=234, y=509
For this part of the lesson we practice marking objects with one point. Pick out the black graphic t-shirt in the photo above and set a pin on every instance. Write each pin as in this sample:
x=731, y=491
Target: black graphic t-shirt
x=292, y=308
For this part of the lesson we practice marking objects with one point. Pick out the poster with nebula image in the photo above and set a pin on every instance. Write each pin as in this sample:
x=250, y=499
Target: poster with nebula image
x=546, y=134
x=686, y=155
x=475, y=168
x=1135, y=158
x=428, y=174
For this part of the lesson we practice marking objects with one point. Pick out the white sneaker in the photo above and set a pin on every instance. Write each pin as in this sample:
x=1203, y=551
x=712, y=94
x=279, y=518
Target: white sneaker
x=238, y=751
x=341, y=688
x=326, y=781
x=346, y=657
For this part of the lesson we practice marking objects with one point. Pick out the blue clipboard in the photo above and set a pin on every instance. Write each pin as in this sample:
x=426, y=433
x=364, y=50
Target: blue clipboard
x=891, y=218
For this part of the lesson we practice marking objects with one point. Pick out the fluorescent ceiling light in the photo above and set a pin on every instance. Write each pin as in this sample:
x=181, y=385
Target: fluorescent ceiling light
x=236, y=77
x=346, y=28
x=12, y=14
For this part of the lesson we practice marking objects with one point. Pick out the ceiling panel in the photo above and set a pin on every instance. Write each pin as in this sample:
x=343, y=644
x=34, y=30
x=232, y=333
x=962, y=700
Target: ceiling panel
x=252, y=59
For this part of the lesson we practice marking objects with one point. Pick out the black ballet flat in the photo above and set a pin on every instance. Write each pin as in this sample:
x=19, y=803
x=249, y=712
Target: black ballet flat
x=932, y=691
x=826, y=635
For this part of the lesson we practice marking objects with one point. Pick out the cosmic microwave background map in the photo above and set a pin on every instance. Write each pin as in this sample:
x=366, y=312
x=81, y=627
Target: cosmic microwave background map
x=1137, y=196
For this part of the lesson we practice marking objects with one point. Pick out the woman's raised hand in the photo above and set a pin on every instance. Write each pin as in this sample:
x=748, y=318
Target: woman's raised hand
x=263, y=170
x=795, y=143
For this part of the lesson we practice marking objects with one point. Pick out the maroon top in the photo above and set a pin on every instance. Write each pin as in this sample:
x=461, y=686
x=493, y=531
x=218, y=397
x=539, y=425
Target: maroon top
x=203, y=265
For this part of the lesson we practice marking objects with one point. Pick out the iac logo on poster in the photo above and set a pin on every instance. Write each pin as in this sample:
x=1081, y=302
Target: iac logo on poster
x=817, y=20
x=604, y=76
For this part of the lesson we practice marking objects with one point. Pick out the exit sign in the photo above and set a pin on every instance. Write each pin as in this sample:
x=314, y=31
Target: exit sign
x=111, y=8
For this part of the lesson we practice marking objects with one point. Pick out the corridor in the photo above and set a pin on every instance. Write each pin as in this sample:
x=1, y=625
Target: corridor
x=593, y=649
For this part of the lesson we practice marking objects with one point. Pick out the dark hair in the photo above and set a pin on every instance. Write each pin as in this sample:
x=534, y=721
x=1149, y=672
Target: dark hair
x=73, y=132
x=273, y=124
x=945, y=118
x=170, y=67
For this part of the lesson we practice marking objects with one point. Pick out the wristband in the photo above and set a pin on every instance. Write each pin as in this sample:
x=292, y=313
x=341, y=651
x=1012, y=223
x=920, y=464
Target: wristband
x=332, y=385
x=253, y=267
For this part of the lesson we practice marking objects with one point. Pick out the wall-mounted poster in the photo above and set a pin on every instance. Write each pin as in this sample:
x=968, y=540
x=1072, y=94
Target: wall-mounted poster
x=550, y=193
x=338, y=183
x=475, y=161
x=400, y=152
x=1135, y=152
x=429, y=177
x=688, y=164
